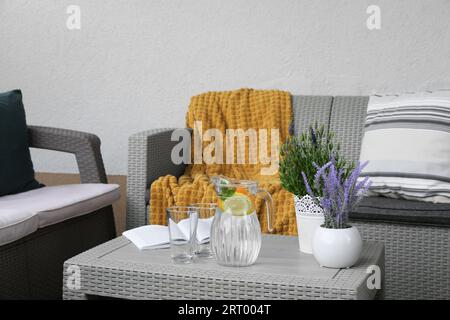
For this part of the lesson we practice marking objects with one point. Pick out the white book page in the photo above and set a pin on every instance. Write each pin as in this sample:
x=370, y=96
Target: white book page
x=148, y=237
x=204, y=229
x=157, y=236
x=180, y=231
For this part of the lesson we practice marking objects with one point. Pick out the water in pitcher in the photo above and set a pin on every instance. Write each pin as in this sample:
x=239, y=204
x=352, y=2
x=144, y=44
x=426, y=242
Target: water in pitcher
x=236, y=231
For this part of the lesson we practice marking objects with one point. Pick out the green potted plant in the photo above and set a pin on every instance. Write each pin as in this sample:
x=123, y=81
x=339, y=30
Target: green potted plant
x=314, y=147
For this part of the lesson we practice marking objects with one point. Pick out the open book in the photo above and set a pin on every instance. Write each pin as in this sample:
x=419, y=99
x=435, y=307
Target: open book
x=157, y=237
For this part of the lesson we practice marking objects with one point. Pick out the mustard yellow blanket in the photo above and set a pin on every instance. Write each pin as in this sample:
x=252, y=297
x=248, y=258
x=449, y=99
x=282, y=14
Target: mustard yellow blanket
x=266, y=113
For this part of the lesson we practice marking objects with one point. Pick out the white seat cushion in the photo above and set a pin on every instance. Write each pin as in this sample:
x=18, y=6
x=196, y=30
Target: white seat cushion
x=58, y=203
x=16, y=224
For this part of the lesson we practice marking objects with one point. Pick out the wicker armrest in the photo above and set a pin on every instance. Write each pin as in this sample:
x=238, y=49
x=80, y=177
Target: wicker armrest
x=149, y=157
x=85, y=147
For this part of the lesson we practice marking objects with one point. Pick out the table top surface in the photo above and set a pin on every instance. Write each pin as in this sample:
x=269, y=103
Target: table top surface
x=279, y=261
x=278, y=255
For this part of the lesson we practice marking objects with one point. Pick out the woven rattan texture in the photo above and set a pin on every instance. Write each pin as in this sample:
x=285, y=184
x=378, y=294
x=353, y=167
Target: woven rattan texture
x=128, y=280
x=31, y=267
x=309, y=109
x=417, y=259
x=149, y=157
x=85, y=147
x=347, y=121
x=14, y=269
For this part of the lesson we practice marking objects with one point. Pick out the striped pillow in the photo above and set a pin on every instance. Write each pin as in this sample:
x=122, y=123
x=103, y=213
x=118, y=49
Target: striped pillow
x=407, y=143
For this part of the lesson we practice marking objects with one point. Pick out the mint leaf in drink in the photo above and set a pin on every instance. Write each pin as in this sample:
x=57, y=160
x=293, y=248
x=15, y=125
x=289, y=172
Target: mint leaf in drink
x=226, y=192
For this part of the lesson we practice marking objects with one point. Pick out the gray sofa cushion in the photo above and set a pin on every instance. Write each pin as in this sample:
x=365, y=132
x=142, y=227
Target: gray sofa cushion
x=402, y=211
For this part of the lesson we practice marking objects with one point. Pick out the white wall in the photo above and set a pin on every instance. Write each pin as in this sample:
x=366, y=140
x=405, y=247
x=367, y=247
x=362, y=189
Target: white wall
x=135, y=63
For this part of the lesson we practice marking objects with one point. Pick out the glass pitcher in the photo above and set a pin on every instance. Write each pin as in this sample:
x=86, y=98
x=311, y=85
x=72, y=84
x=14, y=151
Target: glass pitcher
x=236, y=232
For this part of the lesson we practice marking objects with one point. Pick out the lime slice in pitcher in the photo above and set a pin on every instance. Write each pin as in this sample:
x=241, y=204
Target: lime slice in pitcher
x=238, y=205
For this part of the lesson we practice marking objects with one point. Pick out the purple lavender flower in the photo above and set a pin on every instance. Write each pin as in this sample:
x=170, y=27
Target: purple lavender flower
x=308, y=187
x=325, y=204
x=339, y=196
x=319, y=173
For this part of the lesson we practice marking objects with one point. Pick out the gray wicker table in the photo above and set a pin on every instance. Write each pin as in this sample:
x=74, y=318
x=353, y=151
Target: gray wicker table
x=117, y=269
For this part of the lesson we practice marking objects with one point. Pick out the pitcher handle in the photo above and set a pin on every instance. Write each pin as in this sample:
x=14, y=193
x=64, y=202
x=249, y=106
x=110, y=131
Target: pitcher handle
x=269, y=207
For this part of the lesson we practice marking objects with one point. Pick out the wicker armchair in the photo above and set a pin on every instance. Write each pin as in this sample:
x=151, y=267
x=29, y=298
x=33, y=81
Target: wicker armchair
x=32, y=267
x=417, y=248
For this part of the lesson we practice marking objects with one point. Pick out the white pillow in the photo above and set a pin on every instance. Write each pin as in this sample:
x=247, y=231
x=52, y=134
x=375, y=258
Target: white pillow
x=407, y=144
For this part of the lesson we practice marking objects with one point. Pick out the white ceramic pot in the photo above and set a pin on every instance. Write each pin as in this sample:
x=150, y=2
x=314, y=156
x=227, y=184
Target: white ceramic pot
x=337, y=248
x=309, y=217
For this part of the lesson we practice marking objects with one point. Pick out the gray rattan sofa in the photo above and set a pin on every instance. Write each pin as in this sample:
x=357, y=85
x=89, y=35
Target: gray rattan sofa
x=416, y=235
x=32, y=267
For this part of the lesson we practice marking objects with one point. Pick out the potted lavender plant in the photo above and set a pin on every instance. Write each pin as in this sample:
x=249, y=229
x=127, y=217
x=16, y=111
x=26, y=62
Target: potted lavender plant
x=336, y=244
x=299, y=154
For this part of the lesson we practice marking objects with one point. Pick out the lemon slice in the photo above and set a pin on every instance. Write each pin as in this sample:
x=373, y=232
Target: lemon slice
x=238, y=205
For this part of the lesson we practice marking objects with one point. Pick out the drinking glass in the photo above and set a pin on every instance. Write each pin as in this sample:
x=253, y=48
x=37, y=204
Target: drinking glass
x=182, y=223
x=206, y=213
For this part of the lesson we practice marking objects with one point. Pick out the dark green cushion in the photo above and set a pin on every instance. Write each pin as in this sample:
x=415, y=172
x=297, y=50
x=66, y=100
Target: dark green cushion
x=16, y=168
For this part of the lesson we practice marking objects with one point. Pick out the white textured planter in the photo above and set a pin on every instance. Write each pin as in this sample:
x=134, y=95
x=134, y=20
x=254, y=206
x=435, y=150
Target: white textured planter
x=309, y=217
x=337, y=248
